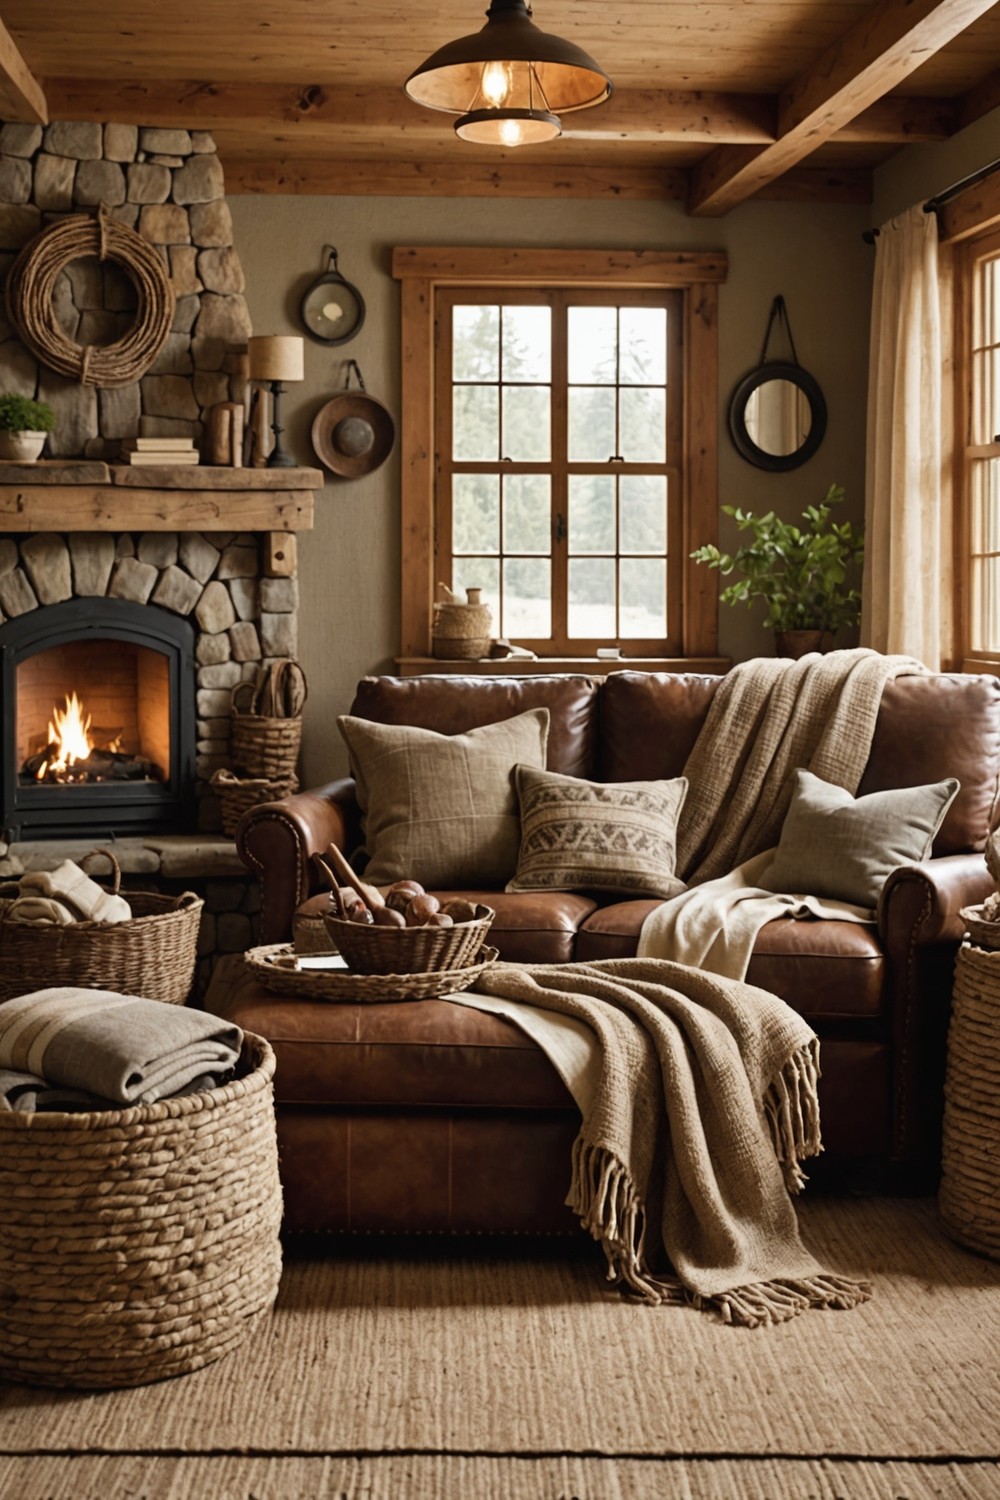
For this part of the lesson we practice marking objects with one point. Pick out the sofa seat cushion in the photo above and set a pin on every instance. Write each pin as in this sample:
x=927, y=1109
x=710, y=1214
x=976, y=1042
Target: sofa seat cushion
x=411, y=1054
x=828, y=971
x=532, y=928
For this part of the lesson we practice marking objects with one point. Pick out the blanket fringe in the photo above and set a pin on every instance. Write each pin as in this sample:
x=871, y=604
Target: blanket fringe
x=603, y=1194
x=777, y=1301
x=791, y=1107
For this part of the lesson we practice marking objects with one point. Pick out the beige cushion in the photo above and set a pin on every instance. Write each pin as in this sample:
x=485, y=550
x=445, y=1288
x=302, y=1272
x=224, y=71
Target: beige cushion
x=594, y=836
x=441, y=808
x=844, y=848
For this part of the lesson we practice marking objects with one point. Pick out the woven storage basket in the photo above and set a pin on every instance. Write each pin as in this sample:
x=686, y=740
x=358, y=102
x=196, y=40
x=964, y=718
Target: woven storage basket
x=153, y=955
x=139, y=1243
x=409, y=950
x=983, y=932
x=237, y=796
x=969, y=1196
x=461, y=632
x=261, y=745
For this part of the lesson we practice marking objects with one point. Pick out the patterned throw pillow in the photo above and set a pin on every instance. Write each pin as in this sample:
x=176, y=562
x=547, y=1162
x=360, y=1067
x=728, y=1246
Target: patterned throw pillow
x=441, y=808
x=845, y=848
x=595, y=836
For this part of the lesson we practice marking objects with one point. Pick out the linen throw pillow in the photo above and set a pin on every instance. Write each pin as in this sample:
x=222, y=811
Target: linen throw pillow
x=581, y=835
x=844, y=848
x=442, y=808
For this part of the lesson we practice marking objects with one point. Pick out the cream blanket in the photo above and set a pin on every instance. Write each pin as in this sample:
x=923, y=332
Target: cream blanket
x=123, y=1048
x=768, y=716
x=698, y=1097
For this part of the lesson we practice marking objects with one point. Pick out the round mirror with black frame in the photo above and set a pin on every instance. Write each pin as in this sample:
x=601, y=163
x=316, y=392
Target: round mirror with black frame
x=777, y=416
x=332, y=310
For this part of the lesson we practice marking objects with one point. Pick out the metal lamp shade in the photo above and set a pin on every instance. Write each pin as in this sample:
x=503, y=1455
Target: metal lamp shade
x=510, y=69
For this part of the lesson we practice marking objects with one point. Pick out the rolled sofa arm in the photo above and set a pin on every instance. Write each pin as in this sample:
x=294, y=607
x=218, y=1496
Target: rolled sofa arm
x=277, y=839
x=921, y=929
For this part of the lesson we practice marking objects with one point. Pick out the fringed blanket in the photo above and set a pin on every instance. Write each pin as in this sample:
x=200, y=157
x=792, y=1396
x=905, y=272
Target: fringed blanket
x=698, y=1097
x=768, y=716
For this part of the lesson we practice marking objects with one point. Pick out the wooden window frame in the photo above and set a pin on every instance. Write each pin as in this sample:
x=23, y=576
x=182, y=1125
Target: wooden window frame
x=968, y=252
x=697, y=275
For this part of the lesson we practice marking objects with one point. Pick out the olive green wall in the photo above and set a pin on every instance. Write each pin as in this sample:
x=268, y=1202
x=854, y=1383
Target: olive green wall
x=916, y=174
x=349, y=564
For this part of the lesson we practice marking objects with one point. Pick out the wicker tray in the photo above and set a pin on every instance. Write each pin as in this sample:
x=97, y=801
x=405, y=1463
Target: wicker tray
x=984, y=933
x=139, y=1243
x=276, y=968
x=409, y=950
x=153, y=955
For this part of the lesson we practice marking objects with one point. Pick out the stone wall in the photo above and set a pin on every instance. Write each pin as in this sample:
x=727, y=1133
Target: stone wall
x=168, y=185
x=241, y=618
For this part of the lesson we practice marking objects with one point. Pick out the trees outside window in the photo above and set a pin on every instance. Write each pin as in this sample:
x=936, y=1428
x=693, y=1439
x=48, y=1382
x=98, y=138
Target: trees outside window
x=561, y=455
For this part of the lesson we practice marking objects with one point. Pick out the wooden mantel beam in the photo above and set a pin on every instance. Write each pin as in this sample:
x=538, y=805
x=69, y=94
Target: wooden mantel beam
x=882, y=49
x=317, y=111
x=21, y=96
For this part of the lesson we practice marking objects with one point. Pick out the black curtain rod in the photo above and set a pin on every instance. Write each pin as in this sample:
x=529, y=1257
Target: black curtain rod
x=940, y=199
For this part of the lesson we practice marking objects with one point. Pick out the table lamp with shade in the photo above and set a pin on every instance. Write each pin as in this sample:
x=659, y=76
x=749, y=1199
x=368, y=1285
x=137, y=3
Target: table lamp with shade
x=276, y=360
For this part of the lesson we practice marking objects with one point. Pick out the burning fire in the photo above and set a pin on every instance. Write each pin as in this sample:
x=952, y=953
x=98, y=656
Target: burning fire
x=69, y=732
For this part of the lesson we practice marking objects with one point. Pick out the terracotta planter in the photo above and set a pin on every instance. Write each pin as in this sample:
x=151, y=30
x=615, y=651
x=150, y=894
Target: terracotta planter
x=796, y=643
x=21, y=447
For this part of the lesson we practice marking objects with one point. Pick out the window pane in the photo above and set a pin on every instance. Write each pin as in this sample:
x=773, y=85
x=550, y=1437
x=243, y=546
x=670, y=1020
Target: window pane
x=643, y=415
x=986, y=303
x=643, y=513
x=475, y=343
x=476, y=414
x=527, y=597
x=526, y=434
x=643, y=333
x=985, y=592
x=643, y=586
x=592, y=334
x=475, y=517
x=479, y=573
x=527, y=518
x=591, y=425
x=591, y=603
x=591, y=513
x=527, y=343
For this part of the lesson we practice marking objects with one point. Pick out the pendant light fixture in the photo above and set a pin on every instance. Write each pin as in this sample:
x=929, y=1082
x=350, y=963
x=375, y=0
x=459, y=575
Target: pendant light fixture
x=509, y=82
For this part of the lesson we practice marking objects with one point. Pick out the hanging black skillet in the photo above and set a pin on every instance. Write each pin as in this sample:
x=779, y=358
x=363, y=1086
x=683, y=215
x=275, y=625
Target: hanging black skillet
x=333, y=310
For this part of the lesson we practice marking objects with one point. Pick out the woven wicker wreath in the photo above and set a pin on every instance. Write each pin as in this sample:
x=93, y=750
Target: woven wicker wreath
x=30, y=306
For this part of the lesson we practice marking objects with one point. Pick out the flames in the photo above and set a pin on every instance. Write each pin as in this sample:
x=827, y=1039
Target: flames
x=69, y=738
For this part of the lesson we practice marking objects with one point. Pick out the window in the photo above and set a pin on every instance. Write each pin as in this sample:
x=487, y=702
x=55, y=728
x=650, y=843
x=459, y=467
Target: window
x=561, y=455
x=978, y=456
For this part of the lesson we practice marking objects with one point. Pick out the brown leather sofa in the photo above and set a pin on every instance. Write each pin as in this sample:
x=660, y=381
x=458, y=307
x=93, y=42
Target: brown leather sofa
x=431, y=1116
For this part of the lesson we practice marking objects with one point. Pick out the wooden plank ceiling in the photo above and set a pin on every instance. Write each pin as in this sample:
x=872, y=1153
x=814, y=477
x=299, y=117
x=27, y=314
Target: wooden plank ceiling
x=714, y=103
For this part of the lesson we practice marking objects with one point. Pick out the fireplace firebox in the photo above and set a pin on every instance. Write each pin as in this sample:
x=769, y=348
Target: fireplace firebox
x=98, y=720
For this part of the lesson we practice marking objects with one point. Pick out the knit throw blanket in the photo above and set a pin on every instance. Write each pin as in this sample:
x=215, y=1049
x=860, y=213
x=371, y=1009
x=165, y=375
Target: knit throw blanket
x=769, y=716
x=698, y=1097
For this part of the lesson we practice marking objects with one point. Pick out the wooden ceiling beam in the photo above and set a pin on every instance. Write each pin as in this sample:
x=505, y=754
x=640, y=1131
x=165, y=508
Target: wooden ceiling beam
x=647, y=116
x=981, y=100
x=21, y=95
x=881, y=50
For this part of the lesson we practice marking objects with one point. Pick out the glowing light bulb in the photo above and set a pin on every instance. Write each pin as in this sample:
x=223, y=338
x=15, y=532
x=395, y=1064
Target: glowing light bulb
x=511, y=132
x=496, y=83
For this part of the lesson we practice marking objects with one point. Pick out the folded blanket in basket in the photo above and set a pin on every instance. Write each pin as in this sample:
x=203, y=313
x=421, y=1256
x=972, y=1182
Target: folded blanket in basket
x=24, y=1093
x=121, y=1047
x=73, y=887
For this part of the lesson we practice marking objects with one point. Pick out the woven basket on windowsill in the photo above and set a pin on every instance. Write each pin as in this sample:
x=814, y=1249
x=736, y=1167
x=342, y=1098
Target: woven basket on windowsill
x=152, y=955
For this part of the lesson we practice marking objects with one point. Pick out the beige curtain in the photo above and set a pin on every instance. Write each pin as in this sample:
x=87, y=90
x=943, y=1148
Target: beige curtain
x=907, y=587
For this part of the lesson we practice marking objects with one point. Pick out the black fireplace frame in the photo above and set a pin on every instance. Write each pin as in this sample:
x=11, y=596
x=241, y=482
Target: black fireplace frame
x=101, y=809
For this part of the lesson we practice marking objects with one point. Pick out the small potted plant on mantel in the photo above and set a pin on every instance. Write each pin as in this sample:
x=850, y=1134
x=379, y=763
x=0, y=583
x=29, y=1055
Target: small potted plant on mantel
x=800, y=572
x=24, y=425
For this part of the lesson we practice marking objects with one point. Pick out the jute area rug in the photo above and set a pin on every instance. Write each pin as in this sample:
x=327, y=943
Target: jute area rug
x=480, y=1370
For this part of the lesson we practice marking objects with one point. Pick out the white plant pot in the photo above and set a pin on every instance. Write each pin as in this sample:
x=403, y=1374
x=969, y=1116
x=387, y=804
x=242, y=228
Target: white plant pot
x=21, y=447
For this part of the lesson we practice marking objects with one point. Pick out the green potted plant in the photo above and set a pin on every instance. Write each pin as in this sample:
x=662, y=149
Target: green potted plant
x=802, y=573
x=23, y=427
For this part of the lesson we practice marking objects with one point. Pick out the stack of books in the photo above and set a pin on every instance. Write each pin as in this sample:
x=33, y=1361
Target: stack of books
x=160, y=450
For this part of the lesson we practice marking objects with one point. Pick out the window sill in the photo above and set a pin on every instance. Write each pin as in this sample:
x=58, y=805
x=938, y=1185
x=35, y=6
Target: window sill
x=590, y=666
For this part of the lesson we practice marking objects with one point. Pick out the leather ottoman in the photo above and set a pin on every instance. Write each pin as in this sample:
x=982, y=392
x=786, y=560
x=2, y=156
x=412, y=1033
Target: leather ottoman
x=409, y=1116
